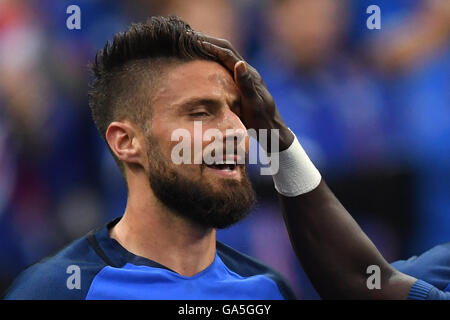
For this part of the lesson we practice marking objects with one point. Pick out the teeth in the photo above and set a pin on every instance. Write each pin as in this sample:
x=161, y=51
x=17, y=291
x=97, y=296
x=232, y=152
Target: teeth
x=223, y=166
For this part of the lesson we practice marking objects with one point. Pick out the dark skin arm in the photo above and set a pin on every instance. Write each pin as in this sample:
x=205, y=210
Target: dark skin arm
x=335, y=252
x=332, y=248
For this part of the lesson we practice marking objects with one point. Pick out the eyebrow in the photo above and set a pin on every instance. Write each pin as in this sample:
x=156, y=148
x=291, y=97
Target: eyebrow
x=192, y=103
x=208, y=102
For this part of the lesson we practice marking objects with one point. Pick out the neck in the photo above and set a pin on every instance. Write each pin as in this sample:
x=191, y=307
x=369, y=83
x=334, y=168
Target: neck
x=151, y=230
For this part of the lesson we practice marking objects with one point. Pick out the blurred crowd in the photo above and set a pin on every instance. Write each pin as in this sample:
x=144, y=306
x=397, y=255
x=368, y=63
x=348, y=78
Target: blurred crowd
x=371, y=107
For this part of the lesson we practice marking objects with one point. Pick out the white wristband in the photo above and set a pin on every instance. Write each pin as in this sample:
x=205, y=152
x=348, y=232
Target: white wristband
x=296, y=174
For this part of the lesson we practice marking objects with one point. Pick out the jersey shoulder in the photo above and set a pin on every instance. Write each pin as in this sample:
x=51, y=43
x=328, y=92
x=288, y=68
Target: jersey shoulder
x=67, y=275
x=247, y=266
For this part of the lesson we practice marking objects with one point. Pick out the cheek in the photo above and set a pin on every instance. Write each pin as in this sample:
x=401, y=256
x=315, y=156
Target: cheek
x=185, y=154
x=180, y=153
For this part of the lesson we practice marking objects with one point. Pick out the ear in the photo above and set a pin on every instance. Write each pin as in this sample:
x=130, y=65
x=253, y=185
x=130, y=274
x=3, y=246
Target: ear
x=124, y=139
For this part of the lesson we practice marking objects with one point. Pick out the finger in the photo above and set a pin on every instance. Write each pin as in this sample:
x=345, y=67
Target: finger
x=243, y=78
x=226, y=56
x=223, y=43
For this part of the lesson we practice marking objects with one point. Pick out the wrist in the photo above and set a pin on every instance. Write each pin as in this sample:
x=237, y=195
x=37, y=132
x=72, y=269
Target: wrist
x=294, y=173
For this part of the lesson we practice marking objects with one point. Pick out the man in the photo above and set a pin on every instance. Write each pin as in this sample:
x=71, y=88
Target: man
x=164, y=246
x=153, y=80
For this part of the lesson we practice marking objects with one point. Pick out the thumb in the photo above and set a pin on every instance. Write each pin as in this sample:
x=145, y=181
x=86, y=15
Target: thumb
x=243, y=77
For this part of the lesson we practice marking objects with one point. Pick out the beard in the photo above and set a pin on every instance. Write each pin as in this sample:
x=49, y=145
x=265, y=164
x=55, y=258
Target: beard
x=195, y=199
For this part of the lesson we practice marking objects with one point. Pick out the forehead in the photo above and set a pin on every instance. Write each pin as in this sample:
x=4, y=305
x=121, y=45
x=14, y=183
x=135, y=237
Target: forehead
x=194, y=79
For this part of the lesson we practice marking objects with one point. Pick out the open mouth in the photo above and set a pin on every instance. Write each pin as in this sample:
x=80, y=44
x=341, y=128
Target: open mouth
x=223, y=167
x=228, y=166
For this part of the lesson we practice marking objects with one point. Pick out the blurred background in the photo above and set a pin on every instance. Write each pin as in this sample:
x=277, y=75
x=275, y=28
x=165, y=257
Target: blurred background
x=371, y=107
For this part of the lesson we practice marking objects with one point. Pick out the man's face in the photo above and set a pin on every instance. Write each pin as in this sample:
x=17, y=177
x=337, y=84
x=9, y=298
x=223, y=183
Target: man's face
x=213, y=196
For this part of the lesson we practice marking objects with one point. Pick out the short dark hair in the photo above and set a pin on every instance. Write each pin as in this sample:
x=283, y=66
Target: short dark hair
x=125, y=70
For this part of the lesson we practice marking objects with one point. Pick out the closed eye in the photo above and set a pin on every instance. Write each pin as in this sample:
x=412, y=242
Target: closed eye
x=199, y=114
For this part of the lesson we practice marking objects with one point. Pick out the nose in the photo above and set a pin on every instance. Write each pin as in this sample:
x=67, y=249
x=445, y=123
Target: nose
x=234, y=132
x=231, y=121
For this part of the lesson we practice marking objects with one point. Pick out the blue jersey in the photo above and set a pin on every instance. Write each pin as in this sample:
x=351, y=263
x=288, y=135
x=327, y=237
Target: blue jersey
x=97, y=267
x=433, y=270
